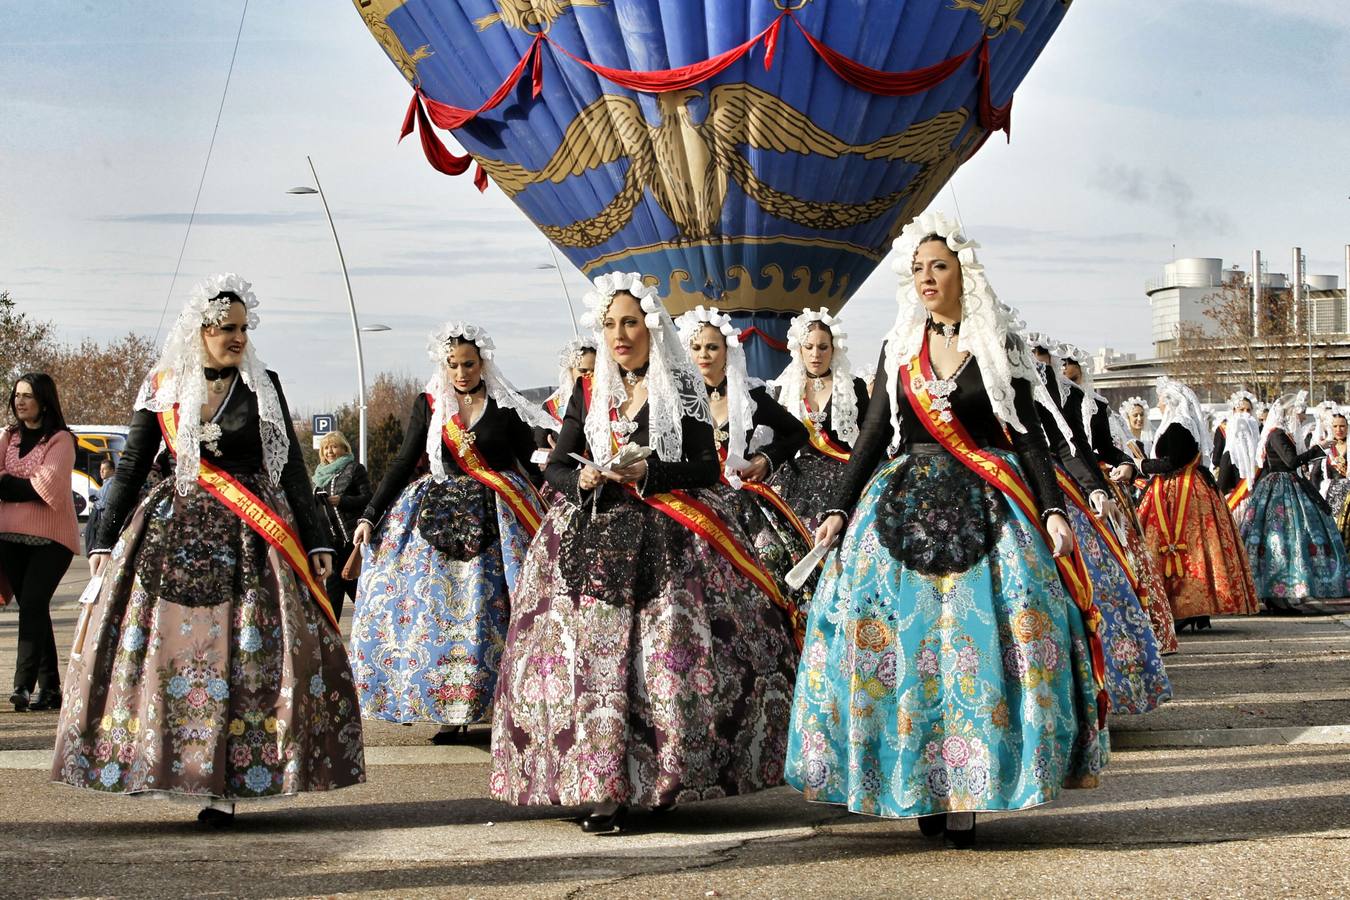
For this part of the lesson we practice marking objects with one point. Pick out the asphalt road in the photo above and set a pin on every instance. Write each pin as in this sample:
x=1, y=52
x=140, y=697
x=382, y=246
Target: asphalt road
x=1240, y=787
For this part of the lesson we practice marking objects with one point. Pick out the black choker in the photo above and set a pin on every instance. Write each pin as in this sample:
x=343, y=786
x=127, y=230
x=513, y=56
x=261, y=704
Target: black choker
x=217, y=374
x=718, y=391
x=948, y=331
x=473, y=390
x=631, y=378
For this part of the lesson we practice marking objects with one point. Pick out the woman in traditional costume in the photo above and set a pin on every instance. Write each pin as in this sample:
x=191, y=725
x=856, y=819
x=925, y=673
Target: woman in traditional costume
x=1140, y=437
x=819, y=391
x=1335, y=477
x=1136, y=680
x=1235, y=442
x=209, y=664
x=754, y=437
x=650, y=657
x=1293, y=541
x=434, y=597
x=947, y=668
x=1187, y=523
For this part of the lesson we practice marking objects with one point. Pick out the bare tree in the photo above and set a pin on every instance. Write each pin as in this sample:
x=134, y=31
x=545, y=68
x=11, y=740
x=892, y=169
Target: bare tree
x=1218, y=358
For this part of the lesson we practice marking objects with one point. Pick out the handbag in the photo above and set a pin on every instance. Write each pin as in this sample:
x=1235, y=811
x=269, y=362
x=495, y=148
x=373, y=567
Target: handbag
x=351, y=569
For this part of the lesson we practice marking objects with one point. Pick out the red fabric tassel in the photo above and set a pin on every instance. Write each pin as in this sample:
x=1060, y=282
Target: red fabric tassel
x=754, y=331
x=993, y=118
x=771, y=42
x=441, y=159
x=665, y=80
x=537, y=72
x=885, y=84
x=480, y=179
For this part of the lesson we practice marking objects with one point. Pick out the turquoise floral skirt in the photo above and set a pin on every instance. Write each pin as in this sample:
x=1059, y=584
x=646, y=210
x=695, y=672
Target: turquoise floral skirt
x=925, y=691
x=1294, y=544
x=433, y=603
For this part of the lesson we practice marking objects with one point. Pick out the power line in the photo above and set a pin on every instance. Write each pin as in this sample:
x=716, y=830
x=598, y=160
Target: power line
x=201, y=182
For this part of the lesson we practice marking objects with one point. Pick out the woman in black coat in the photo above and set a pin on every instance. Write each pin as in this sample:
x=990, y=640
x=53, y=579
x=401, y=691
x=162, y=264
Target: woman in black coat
x=342, y=489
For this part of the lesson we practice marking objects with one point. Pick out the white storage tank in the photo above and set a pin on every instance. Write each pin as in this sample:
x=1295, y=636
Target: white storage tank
x=1323, y=282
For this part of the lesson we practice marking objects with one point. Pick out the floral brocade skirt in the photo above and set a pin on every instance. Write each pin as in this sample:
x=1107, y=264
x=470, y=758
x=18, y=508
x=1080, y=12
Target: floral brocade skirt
x=1338, y=498
x=924, y=691
x=641, y=666
x=1136, y=680
x=1147, y=572
x=778, y=545
x=1294, y=544
x=204, y=668
x=434, y=600
x=807, y=482
x=1209, y=572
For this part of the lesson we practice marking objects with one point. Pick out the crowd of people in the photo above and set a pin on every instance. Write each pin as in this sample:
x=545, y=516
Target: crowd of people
x=620, y=581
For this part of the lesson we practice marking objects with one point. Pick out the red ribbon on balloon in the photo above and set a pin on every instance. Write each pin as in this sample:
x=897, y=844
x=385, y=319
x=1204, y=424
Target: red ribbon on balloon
x=773, y=342
x=865, y=78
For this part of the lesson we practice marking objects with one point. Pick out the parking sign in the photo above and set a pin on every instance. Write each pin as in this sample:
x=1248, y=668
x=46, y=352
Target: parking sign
x=322, y=423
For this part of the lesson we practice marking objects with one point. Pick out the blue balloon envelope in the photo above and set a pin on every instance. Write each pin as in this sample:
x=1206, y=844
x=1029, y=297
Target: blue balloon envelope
x=763, y=191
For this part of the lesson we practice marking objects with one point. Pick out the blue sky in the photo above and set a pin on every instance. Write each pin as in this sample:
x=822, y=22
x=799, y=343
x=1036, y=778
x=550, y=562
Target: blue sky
x=1211, y=125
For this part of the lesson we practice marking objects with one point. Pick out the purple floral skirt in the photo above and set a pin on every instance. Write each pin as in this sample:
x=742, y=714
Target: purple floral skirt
x=640, y=666
x=204, y=668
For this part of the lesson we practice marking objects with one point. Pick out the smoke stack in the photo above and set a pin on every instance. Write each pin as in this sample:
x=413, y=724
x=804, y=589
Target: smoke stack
x=1258, y=292
x=1298, y=289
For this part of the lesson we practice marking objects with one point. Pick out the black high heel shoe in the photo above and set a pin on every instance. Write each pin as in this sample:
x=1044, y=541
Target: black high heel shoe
x=934, y=825
x=455, y=736
x=604, y=823
x=961, y=838
x=215, y=818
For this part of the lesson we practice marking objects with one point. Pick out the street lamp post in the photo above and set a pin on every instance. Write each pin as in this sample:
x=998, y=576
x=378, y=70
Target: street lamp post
x=351, y=304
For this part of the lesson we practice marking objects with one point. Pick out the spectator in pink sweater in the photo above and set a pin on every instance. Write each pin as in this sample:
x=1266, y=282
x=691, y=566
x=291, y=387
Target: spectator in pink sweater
x=38, y=531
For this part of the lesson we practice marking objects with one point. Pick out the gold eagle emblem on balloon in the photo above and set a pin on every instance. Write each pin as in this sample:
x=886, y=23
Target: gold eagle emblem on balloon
x=375, y=14
x=530, y=15
x=997, y=16
x=687, y=165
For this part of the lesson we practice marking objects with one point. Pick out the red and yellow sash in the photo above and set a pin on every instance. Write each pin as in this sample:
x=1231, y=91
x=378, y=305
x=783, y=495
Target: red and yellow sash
x=1104, y=531
x=255, y=513
x=1239, y=493
x=1004, y=478
x=552, y=407
x=704, y=522
x=771, y=497
x=820, y=439
x=459, y=441
x=1174, y=549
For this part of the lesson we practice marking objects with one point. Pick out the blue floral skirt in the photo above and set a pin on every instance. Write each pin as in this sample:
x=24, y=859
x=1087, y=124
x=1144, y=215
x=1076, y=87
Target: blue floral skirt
x=1136, y=680
x=204, y=668
x=924, y=692
x=1293, y=542
x=433, y=603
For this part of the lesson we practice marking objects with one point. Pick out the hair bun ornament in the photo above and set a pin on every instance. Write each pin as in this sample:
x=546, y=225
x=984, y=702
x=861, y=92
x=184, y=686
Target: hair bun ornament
x=689, y=323
x=475, y=334
x=598, y=299
x=207, y=306
x=800, y=327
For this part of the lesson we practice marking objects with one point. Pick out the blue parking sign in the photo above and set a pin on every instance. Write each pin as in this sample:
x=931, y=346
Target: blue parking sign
x=323, y=423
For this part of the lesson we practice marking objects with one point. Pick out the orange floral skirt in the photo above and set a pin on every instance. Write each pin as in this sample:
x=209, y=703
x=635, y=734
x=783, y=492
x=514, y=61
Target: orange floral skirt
x=1207, y=574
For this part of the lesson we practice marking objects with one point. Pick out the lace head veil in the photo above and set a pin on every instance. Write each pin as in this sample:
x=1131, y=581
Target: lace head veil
x=740, y=406
x=674, y=387
x=791, y=382
x=569, y=357
x=1284, y=414
x=1321, y=424
x=177, y=380
x=496, y=386
x=990, y=330
x=1067, y=352
x=1183, y=408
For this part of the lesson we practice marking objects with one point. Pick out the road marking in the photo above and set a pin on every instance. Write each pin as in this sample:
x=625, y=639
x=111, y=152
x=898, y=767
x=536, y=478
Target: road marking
x=1230, y=737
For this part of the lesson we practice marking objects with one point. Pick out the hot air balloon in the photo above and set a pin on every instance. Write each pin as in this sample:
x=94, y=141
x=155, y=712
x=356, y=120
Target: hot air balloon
x=758, y=155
